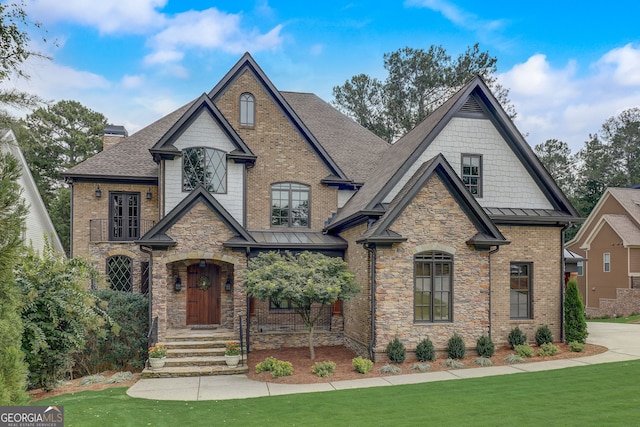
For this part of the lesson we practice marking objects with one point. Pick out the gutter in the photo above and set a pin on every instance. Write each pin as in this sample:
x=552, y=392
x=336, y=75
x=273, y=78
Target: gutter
x=562, y=285
x=491, y=252
x=371, y=248
x=148, y=251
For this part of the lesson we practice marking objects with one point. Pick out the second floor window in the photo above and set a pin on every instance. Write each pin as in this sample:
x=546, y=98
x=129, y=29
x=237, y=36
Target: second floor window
x=205, y=166
x=472, y=173
x=606, y=262
x=289, y=205
x=247, y=110
x=124, y=216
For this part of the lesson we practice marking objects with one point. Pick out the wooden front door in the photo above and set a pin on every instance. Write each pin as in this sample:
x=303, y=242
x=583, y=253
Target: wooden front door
x=203, y=295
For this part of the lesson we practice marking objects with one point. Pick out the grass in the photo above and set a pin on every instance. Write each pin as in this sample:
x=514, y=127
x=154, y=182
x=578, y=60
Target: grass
x=631, y=319
x=604, y=394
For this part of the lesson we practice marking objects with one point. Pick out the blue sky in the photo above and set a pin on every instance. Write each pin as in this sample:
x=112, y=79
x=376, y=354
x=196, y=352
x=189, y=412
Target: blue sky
x=568, y=67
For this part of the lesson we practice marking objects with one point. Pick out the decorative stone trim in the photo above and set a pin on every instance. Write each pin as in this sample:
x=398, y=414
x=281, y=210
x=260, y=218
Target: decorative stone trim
x=439, y=247
x=182, y=256
x=119, y=251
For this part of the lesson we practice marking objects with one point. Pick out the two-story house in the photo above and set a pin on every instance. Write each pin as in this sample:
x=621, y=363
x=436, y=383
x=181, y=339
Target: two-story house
x=454, y=228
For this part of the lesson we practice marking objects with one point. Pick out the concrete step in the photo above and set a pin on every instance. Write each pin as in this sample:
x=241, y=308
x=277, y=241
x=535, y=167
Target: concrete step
x=196, y=361
x=194, y=352
x=193, y=371
x=193, y=344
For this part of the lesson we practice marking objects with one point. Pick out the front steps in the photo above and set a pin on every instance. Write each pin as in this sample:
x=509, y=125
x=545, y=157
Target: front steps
x=194, y=353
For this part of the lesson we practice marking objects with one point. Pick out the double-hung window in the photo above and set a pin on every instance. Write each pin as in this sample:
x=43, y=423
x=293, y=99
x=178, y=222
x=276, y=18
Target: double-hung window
x=520, y=290
x=289, y=205
x=433, y=287
x=606, y=262
x=206, y=166
x=472, y=173
x=124, y=216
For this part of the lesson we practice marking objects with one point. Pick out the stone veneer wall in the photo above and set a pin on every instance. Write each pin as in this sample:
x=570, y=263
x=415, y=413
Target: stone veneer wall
x=626, y=303
x=283, y=156
x=432, y=221
x=542, y=247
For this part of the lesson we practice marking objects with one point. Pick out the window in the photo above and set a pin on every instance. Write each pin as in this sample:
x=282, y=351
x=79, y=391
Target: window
x=520, y=295
x=433, y=289
x=247, y=110
x=580, y=268
x=282, y=304
x=124, y=216
x=606, y=262
x=472, y=173
x=119, y=273
x=205, y=166
x=290, y=205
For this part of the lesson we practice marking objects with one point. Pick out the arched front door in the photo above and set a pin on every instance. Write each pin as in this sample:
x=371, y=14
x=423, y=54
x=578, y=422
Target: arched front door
x=203, y=295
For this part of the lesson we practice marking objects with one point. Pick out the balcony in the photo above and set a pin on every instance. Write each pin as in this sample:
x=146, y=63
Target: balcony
x=99, y=230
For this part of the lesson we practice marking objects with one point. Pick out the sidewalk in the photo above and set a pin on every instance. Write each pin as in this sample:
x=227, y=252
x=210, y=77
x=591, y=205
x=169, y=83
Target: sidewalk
x=622, y=340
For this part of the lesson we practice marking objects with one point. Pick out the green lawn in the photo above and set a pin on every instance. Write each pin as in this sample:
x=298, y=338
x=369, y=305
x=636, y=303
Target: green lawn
x=631, y=319
x=605, y=394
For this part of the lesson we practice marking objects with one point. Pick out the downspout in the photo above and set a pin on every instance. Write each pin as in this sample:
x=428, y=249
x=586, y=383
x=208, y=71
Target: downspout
x=562, y=286
x=371, y=248
x=491, y=252
x=150, y=253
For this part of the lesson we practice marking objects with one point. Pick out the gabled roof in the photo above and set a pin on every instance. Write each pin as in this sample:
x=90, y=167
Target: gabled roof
x=407, y=150
x=488, y=234
x=248, y=64
x=164, y=148
x=157, y=237
x=622, y=225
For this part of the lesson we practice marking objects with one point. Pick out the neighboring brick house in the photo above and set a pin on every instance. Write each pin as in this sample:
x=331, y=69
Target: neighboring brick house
x=454, y=228
x=609, y=239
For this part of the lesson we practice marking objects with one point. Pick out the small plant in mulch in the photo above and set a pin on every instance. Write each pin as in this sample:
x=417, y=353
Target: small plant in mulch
x=513, y=358
x=524, y=350
x=362, y=365
x=425, y=351
x=483, y=361
x=278, y=368
x=548, y=349
x=421, y=367
x=456, y=348
x=485, y=347
x=543, y=335
x=390, y=369
x=516, y=337
x=453, y=363
x=396, y=351
x=323, y=369
x=576, y=346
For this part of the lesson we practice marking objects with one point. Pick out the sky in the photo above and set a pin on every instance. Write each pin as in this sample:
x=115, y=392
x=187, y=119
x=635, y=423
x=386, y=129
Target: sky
x=569, y=66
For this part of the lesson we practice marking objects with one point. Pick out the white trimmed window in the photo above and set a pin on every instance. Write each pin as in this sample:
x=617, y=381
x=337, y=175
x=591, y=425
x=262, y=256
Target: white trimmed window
x=606, y=262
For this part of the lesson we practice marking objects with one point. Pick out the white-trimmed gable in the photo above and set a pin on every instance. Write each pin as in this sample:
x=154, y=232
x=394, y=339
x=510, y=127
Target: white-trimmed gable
x=506, y=182
x=205, y=132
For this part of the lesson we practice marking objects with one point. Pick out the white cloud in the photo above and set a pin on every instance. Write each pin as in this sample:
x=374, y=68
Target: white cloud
x=626, y=65
x=108, y=16
x=132, y=82
x=456, y=15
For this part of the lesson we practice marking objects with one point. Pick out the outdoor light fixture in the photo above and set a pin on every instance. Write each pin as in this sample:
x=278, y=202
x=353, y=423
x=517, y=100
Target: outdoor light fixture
x=178, y=285
x=227, y=285
x=203, y=263
x=149, y=194
x=98, y=192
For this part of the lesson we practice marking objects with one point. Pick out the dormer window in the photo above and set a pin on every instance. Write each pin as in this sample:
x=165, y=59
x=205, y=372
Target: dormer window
x=472, y=173
x=247, y=110
x=205, y=166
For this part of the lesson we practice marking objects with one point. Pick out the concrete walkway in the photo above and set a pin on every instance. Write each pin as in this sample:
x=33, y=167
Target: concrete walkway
x=622, y=340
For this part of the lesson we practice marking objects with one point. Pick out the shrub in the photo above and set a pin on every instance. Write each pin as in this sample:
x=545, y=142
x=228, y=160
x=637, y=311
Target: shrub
x=516, y=337
x=524, y=350
x=390, y=369
x=425, y=351
x=396, y=351
x=483, y=361
x=362, y=365
x=547, y=349
x=575, y=325
x=513, y=358
x=543, y=335
x=576, y=346
x=323, y=369
x=278, y=368
x=120, y=347
x=456, y=347
x=266, y=365
x=422, y=367
x=485, y=347
x=453, y=363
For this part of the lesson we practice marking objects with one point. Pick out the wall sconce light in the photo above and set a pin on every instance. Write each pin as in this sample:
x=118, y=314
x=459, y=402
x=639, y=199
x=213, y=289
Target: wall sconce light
x=227, y=285
x=98, y=192
x=203, y=263
x=177, y=286
x=149, y=194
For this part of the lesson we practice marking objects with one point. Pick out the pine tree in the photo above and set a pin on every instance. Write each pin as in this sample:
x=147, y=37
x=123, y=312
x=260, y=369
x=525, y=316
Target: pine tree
x=575, y=324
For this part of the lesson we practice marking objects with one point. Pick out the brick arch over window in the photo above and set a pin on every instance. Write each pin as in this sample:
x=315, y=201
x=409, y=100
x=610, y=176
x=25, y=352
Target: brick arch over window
x=247, y=109
x=120, y=273
x=433, y=287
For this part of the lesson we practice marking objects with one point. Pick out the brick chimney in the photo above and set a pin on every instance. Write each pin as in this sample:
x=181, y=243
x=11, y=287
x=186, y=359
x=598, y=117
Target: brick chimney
x=112, y=135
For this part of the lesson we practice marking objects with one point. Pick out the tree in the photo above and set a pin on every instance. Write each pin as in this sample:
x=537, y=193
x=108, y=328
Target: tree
x=575, y=324
x=13, y=370
x=556, y=157
x=622, y=134
x=302, y=280
x=418, y=82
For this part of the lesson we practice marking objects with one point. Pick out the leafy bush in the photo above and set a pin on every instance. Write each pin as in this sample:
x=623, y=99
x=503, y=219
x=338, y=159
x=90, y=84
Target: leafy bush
x=323, y=369
x=485, y=347
x=266, y=365
x=278, y=368
x=422, y=367
x=453, y=363
x=483, y=361
x=362, y=365
x=547, y=349
x=396, y=351
x=543, y=335
x=575, y=325
x=524, y=350
x=513, y=358
x=516, y=337
x=390, y=369
x=576, y=346
x=123, y=346
x=425, y=351
x=456, y=347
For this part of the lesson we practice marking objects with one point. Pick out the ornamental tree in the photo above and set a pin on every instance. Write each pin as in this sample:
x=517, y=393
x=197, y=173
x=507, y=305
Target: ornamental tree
x=575, y=325
x=302, y=280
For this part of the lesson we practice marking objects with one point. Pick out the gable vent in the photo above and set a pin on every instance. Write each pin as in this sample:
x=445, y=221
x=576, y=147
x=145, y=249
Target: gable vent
x=472, y=106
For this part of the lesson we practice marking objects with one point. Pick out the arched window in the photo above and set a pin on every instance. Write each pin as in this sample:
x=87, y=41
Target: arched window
x=247, y=110
x=205, y=166
x=289, y=205
x=119, y=273
x=433, y=287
